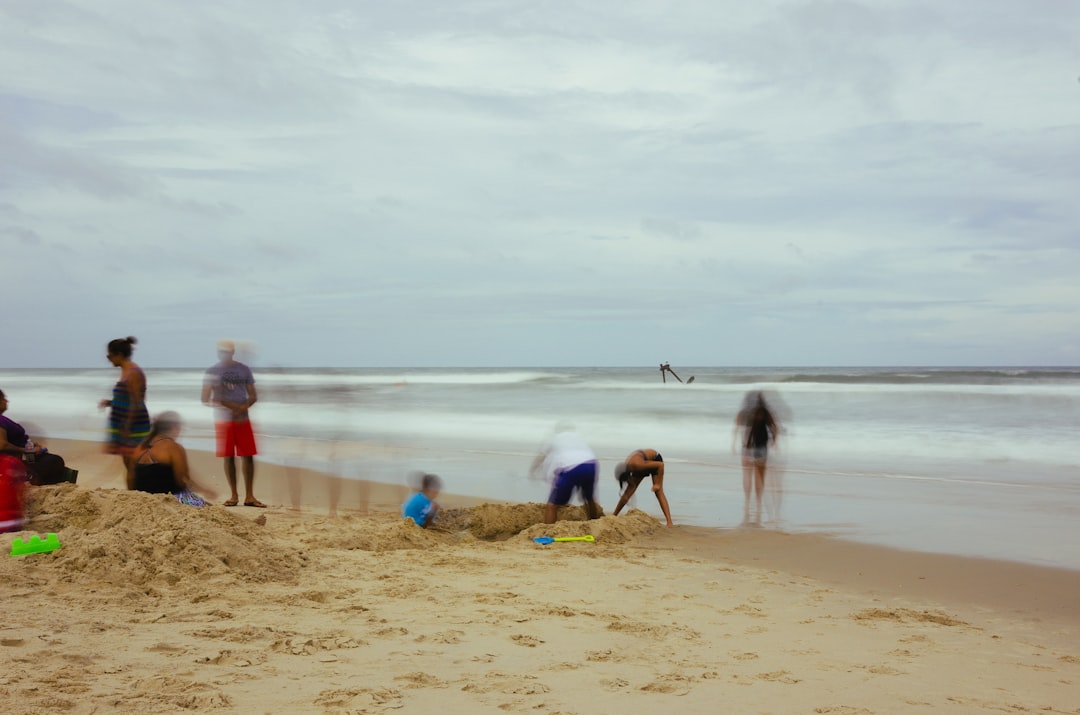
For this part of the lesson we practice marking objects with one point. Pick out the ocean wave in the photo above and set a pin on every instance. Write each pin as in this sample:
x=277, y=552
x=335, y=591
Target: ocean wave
x=937, y=376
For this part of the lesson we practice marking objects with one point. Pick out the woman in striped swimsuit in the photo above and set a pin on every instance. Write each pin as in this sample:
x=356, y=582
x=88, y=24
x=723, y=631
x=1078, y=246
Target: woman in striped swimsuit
x=129, y=422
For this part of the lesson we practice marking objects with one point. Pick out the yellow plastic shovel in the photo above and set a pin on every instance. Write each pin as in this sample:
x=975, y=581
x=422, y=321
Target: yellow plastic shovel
x=550, y=539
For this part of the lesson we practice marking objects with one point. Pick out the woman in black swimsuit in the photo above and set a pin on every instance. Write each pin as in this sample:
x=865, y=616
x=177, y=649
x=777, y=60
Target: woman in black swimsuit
x=159, y=465
x=639, y=464
x=759, y=430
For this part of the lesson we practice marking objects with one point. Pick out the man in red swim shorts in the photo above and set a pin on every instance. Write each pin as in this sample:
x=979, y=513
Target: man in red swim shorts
x=229, y=387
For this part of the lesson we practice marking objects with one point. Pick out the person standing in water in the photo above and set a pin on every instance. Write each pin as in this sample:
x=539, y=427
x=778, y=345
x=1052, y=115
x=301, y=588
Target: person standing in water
x=759, y=430
x=229, y=386
x=129, y=422
x=639, y=464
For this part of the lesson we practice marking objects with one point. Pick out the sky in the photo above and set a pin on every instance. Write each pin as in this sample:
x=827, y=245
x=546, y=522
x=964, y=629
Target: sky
x=531, y=183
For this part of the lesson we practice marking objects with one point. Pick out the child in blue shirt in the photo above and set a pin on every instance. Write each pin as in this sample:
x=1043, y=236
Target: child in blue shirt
x=421, y=507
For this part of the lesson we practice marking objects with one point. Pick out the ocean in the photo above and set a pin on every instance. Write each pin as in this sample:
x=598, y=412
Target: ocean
x=973, y=461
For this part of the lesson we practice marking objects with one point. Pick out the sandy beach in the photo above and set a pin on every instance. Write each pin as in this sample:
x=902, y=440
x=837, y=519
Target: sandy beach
x=154, y=607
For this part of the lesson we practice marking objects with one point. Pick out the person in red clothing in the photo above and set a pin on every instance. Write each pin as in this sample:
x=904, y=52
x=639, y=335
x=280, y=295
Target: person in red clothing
x=13, y=475
x=230, y=387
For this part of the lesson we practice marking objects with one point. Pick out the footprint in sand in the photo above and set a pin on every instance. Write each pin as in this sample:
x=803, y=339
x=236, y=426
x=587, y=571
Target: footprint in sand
x=391, y=631
x=907, y=615
x=881, y=670
x=914, y=639
x=311, y=646
x=604, y=656
x=229, y=658
x=673, y=684
x=527, y=641
x=421, y=680
x=360, y=699
x=162, y=692
x=243, y=634
x=507, y=685
x=778, y=676
x=167, y=648
x=451, y=637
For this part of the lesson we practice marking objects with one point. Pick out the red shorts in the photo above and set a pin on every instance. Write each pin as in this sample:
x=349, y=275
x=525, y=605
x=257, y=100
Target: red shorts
x=235, y=439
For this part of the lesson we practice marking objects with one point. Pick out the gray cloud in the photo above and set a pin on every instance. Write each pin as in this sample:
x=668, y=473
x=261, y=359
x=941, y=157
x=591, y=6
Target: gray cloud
x=415, y=183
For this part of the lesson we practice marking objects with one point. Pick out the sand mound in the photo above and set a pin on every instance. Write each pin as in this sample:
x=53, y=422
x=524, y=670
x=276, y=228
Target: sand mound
x=143, y=540
x=606, y=529
x=487, y=522
x=399, y=534
x=498, y=522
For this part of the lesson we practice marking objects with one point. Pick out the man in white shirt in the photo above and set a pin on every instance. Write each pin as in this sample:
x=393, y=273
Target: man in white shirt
x=571, y=466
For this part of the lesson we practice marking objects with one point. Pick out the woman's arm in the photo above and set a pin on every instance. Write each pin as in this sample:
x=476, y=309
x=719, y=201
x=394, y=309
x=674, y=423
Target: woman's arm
x=178, y=461
x=136, y=387
x=182, y=473
x=6, y=446
x=12, y=448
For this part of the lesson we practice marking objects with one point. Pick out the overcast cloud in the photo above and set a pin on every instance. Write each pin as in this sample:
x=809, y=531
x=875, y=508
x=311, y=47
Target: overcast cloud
x=541, y=183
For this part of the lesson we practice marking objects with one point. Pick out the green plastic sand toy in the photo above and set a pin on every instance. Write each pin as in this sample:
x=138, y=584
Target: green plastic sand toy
x=35, y=545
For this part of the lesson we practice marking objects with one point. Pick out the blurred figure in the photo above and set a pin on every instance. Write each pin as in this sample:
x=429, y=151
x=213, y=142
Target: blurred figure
x=129, y=422
x=639, y=464
x=42, y=467
x=229, y=386
x=12, y=493
x=159, y=465
x=12, y=471
x=421, y=507
x=570, y=465
x=759, y=430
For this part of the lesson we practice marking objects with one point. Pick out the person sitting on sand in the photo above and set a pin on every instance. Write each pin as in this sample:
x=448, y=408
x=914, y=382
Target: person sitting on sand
x=41, y=466
x=421, y=506
x=159, y=464
x=639, y=464
x=571, y=466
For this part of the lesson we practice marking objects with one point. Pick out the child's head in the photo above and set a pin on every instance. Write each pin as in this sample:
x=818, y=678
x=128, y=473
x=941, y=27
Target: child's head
x=430, y=485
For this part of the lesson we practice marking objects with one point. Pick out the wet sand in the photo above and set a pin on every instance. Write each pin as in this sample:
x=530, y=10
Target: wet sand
x=151, y=606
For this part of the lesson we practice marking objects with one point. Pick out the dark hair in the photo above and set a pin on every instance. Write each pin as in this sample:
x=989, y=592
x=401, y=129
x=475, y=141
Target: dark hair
x=622, y=474
x=122, y=346
x=430, y=481
x=1, y=394
x=162, y=423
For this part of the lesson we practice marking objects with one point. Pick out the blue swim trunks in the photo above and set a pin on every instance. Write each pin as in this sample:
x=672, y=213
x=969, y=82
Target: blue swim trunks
x=581, y=477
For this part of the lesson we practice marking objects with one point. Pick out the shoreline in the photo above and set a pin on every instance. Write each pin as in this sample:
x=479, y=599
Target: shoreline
x=310, y=488
x=1032, y=591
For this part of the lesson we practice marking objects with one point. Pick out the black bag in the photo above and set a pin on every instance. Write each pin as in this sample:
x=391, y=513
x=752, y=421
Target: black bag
x=48, y=468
